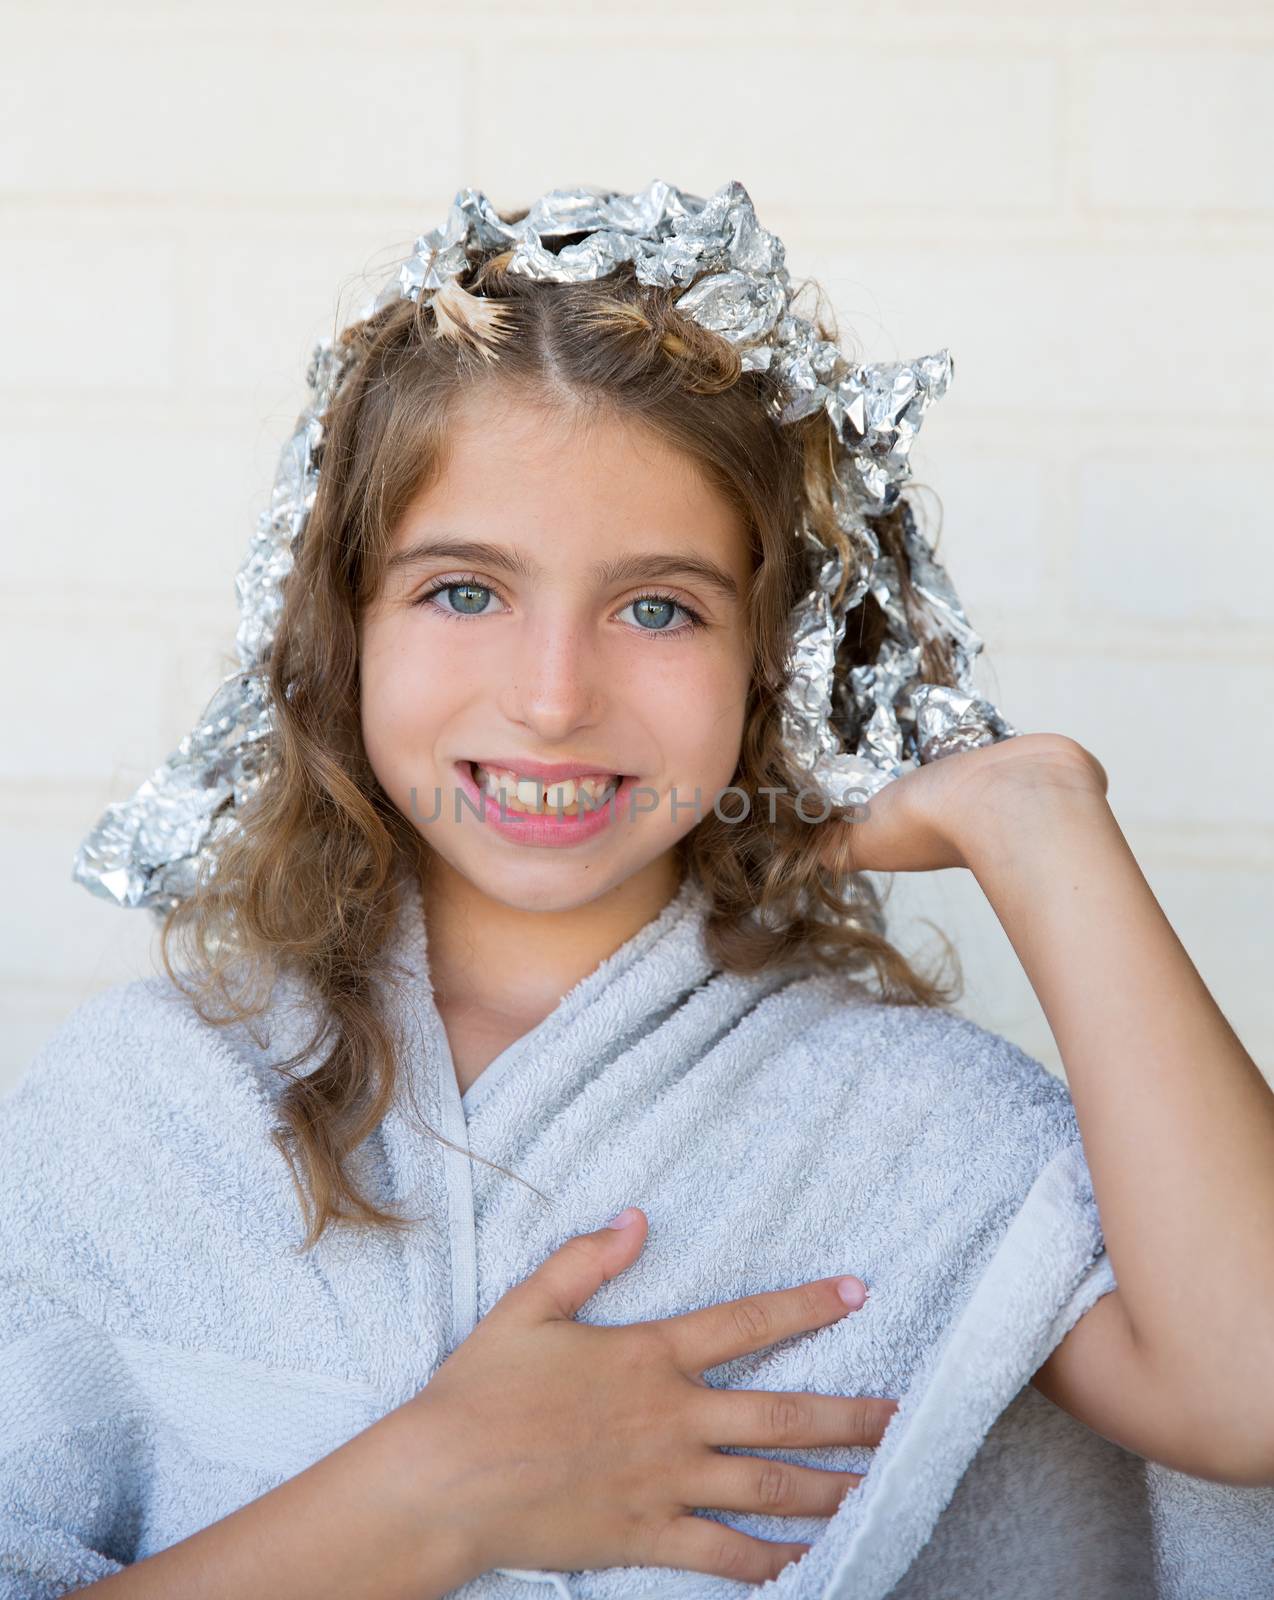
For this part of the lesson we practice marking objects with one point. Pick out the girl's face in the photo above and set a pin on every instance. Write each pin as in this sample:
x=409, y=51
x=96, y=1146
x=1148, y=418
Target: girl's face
x=539, y=610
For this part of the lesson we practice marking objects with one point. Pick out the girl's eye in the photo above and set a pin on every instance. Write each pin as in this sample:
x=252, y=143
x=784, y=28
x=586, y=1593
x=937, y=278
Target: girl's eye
x=652, y=610
x=471, y=594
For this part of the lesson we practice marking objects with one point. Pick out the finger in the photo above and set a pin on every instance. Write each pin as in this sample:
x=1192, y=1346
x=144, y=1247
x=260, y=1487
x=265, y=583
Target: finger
x=701, y=1339
x=762, y=1418
x=576, y=1270
x=781, y=1488
x=703, y=1545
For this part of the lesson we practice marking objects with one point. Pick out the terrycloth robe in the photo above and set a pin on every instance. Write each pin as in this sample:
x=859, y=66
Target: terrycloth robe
x=166, y=1356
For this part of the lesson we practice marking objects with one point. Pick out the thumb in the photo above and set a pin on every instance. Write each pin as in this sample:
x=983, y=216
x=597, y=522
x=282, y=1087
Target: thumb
x=577, y=1269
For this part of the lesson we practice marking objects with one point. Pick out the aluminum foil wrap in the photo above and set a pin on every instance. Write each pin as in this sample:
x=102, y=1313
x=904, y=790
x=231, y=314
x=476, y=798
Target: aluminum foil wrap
x=849, y=739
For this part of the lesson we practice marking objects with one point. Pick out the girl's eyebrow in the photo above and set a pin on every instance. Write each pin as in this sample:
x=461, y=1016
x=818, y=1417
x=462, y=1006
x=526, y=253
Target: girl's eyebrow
x=638, y=568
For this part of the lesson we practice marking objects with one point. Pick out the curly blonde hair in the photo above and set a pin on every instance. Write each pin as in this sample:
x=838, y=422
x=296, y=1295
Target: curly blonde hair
x=309, y=882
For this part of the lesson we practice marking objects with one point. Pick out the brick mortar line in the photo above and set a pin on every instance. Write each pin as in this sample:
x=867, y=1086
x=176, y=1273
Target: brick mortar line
x=980, y=28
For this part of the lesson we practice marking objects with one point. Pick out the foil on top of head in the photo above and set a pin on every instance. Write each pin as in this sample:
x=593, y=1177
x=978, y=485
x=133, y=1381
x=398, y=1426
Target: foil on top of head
x=850, y=739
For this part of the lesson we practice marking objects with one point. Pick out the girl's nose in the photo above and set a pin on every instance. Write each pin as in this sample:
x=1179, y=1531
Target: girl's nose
x=554, y=683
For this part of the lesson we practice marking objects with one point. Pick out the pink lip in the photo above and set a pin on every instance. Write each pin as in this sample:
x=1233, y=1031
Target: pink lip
x=549, y=829
x=545, y=771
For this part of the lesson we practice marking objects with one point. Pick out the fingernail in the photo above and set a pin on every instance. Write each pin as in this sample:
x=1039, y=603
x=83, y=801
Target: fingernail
x=852, y=1291
x=625, y=1218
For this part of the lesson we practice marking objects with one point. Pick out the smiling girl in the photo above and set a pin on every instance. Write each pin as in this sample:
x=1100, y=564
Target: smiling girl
x=270, y=1333
x=512, y=591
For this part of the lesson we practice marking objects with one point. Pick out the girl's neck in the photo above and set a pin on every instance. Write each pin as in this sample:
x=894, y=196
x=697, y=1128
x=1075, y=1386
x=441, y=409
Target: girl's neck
x=487, y=958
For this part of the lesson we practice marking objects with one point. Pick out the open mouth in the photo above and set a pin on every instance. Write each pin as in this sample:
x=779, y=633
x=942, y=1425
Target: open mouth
x=532, y=797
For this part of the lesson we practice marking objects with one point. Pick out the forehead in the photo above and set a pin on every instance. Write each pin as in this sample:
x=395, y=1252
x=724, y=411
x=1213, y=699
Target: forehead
x=517, y=469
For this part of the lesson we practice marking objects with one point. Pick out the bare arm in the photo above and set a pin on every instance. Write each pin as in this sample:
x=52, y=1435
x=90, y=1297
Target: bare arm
x=1178, y=1129
x=369, y=1519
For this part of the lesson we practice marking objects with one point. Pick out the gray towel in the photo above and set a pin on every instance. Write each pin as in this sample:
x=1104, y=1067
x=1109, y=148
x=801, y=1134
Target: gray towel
x=165, y=1356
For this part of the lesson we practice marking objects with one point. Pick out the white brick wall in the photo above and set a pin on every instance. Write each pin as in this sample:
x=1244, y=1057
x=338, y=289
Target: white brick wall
x=1075, y=198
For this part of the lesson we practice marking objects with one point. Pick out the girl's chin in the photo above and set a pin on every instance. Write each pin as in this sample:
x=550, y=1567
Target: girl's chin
x=549, y=888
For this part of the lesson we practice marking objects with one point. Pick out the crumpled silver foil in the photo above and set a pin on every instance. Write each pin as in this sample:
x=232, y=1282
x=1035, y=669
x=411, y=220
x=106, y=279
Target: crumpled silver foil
x=849, y=739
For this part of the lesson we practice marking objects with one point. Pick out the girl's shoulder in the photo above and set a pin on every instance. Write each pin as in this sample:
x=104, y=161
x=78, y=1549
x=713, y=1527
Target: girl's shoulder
x=143, y=1040
x=131, y=1086
x=909, y=1066
x=925, y=1042
x=93, y=1063
x=141, y=1193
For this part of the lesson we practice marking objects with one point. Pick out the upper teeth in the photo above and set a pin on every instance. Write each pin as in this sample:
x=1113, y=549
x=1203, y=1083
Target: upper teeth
x=527, y=793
